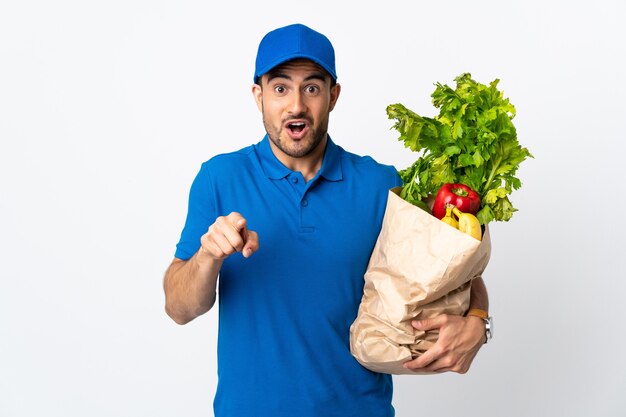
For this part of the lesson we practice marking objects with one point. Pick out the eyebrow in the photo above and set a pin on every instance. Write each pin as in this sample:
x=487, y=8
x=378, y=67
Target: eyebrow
x=277, y=74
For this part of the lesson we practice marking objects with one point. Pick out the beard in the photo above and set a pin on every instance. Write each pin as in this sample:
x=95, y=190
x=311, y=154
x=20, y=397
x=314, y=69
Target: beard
x=304, y=146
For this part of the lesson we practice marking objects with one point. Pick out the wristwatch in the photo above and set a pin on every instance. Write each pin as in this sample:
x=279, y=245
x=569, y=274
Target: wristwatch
x=488, y=329
x=487, y=319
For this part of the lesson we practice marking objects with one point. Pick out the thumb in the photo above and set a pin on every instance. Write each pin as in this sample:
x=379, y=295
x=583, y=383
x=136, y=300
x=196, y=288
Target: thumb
x=240, y=225
x=429, y=324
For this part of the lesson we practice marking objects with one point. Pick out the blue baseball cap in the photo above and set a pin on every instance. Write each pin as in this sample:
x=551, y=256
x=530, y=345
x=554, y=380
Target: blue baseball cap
x=291, y=42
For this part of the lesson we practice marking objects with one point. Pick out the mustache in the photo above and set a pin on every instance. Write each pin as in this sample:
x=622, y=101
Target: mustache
x=298, y=117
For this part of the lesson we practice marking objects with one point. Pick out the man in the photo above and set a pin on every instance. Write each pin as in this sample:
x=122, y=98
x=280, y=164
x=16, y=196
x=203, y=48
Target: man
x=288, y=225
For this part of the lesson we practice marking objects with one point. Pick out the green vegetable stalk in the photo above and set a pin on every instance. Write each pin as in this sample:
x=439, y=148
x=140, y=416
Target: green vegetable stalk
x=472, y=141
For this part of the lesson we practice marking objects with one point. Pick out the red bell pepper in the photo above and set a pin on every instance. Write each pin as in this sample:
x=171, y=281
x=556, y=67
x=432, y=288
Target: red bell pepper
x=459, y=195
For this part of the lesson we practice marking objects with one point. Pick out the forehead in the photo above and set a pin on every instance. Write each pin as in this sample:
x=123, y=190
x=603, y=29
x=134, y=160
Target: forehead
x=298, y=67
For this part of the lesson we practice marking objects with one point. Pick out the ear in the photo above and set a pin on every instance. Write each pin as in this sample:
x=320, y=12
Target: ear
x=334, y=95
x=257, y=92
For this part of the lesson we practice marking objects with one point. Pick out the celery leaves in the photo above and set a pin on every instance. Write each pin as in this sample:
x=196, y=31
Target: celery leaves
x=472, y=141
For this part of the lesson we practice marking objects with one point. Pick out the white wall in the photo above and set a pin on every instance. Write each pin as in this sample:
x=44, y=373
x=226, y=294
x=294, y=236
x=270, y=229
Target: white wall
x=108, y=108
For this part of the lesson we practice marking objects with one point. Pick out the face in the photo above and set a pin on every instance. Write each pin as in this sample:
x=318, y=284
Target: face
x=296, y=99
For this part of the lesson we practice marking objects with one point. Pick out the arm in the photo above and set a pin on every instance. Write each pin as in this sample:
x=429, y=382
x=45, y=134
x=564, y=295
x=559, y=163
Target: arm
x=459, y=340
x=478, y=295
x=190, y=285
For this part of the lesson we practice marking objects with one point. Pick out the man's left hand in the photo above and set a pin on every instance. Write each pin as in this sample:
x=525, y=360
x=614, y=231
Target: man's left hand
x=459, y=340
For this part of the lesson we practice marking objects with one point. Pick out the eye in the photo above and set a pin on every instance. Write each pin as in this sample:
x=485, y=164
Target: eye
x=312, y=89
x=280, y=89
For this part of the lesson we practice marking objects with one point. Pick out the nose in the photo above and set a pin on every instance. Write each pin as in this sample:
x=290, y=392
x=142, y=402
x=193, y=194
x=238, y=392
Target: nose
x=298, y=103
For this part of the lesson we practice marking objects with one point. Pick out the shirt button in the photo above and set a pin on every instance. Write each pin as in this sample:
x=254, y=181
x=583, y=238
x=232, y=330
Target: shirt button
x=304, y=203
x=294, y=180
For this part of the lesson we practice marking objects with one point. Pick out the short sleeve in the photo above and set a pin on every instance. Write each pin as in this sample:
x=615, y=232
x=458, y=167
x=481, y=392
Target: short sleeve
x=201, y=213
x=396, y=180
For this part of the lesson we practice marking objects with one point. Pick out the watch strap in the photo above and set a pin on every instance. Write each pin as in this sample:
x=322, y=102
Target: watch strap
x=478, y=313
x=482, y=314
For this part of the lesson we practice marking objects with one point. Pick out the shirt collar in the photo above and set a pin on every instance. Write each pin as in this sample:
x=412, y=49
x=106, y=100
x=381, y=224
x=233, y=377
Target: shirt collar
x=274, y=169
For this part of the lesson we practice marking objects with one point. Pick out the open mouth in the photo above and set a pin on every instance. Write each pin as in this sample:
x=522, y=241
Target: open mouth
x=297, y=129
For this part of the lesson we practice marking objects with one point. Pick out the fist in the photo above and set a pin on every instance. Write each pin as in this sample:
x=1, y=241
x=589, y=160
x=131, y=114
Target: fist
x=229, y=234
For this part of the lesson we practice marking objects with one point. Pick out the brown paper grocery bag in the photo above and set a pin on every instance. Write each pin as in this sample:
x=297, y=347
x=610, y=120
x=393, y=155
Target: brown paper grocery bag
x=420, y=268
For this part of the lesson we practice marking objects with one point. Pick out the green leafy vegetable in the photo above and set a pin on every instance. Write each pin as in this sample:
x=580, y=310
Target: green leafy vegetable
x=472, y=141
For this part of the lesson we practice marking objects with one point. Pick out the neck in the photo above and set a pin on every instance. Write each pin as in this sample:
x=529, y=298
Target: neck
x=308, y=165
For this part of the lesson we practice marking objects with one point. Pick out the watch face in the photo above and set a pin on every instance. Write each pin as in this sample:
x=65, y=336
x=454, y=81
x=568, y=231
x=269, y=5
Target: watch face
x=489, y=328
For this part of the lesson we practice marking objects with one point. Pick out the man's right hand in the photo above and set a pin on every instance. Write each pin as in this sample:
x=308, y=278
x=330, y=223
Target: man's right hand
x=229, y=234
x=190, y=285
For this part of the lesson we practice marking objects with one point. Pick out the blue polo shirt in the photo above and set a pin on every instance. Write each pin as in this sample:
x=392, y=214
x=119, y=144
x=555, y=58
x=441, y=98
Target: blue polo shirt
x=285, y=313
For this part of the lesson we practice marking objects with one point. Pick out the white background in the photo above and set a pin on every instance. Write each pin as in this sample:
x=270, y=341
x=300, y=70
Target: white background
x=108, y=108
